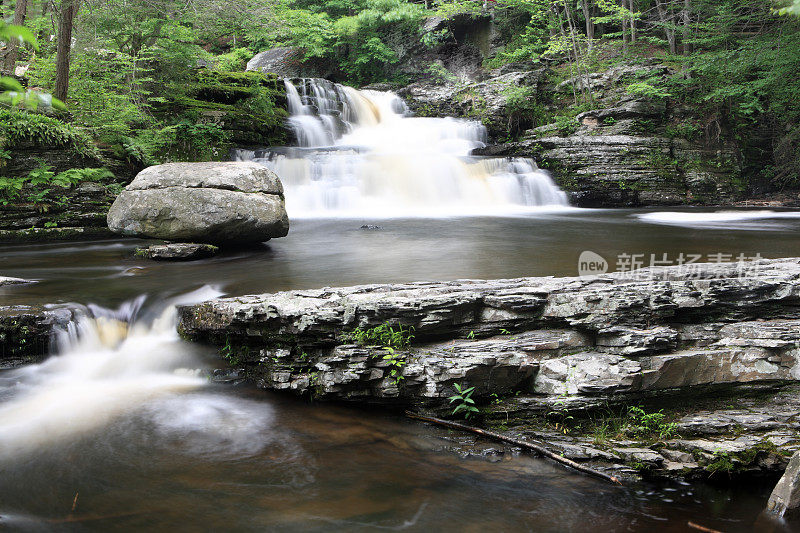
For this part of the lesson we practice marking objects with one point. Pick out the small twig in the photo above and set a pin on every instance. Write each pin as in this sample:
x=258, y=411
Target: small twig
x=702, y=528
x=74, y=503
x=521, y=443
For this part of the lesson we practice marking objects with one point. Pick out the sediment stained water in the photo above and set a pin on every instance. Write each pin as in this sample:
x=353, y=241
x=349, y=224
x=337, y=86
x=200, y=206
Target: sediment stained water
x=137, y=439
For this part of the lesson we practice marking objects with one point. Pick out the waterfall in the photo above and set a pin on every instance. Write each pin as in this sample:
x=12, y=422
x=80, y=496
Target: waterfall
x=108, y=363
x=361, y=153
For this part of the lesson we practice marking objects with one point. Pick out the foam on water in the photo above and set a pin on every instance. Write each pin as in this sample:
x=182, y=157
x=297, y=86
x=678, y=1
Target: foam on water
x=108, y=363
x=717, y=219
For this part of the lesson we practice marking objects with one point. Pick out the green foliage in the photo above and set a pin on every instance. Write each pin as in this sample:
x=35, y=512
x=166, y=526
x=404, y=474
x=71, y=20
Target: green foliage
x=436, y=37
x=464, y=402
x=645, y=424
x=721, y=463
x=185, y=141
x=646, y=90
x=386, y=335
x=440, y=74
x=396, y=364
x=566, y=125
x=35, y=183
x=12, y=93
x=17, y=127
x=234, y=61
x=524, y=109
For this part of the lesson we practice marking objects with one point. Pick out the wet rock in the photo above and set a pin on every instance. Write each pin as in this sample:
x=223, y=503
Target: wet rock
x=581, y=342
x=177, y=251
x=786, y=494
x=488, y=98
x=12, y=281
x=217, y=203
x=25, y=332
x=59, y=214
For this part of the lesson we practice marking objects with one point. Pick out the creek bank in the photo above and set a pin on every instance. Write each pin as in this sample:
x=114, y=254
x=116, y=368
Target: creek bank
x=532, y=346
x=58, y=213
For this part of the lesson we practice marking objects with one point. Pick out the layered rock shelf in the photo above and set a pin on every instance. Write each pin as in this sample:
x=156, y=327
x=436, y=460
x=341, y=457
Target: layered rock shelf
x=715, y=350
x=576, y=339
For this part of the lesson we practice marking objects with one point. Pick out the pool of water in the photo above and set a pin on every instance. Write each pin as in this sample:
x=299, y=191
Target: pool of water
x=335, y=252
x=199, y=456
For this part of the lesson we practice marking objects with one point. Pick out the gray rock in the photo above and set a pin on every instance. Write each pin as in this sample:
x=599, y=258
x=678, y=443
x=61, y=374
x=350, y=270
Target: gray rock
x=284, y=61
x=25, y=332
x=489, y=98
x=576, y=341
x=13, y=281
x=786, y=494
x=239, y=202
x=177, y=251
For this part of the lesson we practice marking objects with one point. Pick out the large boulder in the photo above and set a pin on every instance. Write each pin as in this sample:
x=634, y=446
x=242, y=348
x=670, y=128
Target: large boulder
x=290, y=62
x=284, y=61
x=218, y=203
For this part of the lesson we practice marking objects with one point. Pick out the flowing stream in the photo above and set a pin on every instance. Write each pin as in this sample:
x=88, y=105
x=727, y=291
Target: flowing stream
x=125, y=427
x=361, y=154
x=123, y=424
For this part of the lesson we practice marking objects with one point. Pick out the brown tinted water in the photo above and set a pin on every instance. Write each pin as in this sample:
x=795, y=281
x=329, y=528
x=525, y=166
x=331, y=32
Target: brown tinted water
x=216, y=457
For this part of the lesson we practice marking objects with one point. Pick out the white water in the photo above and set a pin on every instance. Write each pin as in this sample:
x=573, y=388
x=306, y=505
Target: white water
x=718, y=219
x=361, y=154
x=109, y=364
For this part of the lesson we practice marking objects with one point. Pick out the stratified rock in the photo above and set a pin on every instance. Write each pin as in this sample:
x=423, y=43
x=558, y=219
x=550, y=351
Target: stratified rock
x=786, y=494
x=12, y=281
x=583, y=341
x=61, y=214
x=237, y=202
x=25, y=332
x=177, y=251
x=291, y=62
x=487, y=100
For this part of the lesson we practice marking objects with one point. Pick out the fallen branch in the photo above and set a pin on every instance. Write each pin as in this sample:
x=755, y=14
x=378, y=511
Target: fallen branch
x=702, y=528
x=516, y=442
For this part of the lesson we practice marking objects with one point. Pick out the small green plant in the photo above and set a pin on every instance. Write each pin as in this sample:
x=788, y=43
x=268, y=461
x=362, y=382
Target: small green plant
x=436, y=37
x=396, y=364
x=722, y=463
x=386, y=335
x=471, y=335
x=465, y=404
x=566, y=125
x=560, y=416
x=645, y=424
x=228, y=353
x=440, y=74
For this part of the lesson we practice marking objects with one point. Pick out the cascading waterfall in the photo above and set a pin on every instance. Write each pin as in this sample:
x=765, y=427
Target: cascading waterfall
x=361, y=154
x=109, y=364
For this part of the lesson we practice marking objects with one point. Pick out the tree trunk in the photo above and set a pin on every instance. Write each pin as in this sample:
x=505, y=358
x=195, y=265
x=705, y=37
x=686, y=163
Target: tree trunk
x=68, y=8
x=632, y=9
x=624, y=30
x=587, y=14
x=13, y=44
x=666, y=19
x=687, y=21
